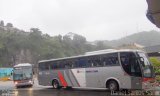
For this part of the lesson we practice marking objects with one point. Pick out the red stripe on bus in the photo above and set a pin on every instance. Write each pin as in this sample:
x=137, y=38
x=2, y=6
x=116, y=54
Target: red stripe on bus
x=62, y=79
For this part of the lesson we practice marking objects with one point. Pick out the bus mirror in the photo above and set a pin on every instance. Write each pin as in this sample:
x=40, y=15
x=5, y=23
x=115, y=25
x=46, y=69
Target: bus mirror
x=142, y=60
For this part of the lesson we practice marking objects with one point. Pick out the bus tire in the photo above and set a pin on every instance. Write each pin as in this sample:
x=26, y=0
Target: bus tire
x=112, y=85
x=55, y=84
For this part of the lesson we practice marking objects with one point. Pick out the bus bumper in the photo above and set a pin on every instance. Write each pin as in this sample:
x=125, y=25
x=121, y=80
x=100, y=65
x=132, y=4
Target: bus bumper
x=27, y=83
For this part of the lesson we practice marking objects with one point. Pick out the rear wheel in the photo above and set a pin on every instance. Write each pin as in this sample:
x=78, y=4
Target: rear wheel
x=113, y=85
x=55, y=84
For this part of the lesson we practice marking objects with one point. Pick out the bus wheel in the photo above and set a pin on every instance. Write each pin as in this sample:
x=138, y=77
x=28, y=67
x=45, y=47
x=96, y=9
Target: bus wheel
x=55, y=84
x=113, y=85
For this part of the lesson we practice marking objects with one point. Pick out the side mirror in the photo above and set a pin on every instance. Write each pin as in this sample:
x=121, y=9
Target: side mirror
x=141, y=60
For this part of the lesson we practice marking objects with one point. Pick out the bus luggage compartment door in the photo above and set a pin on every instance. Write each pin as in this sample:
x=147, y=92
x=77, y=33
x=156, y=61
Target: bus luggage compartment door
x=136, y=82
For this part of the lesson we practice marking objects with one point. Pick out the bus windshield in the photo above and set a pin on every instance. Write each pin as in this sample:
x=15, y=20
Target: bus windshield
x=22, y=74
x=146, y=65
x=18, y=76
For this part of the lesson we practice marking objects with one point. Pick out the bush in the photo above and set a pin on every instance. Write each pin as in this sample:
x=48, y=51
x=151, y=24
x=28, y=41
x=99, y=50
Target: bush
x=156, y=64
x=158, y=78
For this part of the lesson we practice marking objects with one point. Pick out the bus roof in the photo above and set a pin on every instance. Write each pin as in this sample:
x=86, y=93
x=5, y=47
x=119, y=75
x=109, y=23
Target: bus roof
x=92, y=53
x=23, y=64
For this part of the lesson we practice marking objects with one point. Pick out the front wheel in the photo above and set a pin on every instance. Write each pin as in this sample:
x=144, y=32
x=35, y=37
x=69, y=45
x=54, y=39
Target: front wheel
x=55, y=84
x=113, y=86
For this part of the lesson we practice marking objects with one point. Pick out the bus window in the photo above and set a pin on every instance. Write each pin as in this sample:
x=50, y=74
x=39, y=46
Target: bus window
x=43, y=66
x=69, y=64
x=110, y=60
x=76, y=65
x=61, y=64
x=89, y=63
x=96, y=61
x=51, y=65
x=130, y=64
x=55, y=65
x=82, y=62
x=66, y=64
x=72, y=64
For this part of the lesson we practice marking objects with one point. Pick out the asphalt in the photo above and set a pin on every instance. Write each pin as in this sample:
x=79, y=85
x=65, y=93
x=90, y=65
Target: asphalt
x=7, y=88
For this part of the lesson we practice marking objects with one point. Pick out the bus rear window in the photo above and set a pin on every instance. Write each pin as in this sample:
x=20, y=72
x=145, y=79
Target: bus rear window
x=43, y=66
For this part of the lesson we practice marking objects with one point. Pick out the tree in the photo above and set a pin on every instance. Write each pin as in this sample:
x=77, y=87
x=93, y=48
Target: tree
x=2, y=23
x=9, y=25
x=36, y=30
x=156, y=64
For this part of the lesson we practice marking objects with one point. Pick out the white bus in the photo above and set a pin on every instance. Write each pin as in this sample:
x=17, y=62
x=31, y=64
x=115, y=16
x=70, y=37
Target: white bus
x=23, y=75
x=111, y=69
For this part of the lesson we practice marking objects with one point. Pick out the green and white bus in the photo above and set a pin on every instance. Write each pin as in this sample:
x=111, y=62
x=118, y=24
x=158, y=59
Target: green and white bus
x=112, y=69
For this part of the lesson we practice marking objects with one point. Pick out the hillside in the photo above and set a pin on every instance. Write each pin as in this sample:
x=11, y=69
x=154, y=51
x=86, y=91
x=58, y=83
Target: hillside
x=146, y=38
x=18, y=46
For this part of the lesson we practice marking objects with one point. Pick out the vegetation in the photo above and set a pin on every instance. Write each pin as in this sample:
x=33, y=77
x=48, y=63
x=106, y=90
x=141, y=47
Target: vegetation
x=145, y=38
x=18, y=46
x=156, y=65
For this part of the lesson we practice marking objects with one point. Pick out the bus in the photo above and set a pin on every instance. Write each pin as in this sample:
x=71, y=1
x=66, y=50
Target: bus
x=23, y=75
x=111, y=69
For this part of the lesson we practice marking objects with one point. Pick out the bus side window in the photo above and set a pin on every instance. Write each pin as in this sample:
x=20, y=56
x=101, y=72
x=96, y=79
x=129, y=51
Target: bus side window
x=76, y=65
x=51, y=65
x=42, y=66
x=61, y=65
x=107, y=60
x=114, y=59
x=125, y=61
x=66, y=65
x=55, y=65
x=97, y=62
x=72, y=64
x=111, y=60
x=46, y=66
x=82, y=62
x=90, y=63
x=104, y=61
x=100, y=62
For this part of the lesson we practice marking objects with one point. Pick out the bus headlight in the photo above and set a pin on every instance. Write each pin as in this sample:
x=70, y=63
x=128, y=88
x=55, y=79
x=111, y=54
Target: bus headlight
x=15, y=83
x=30, y=81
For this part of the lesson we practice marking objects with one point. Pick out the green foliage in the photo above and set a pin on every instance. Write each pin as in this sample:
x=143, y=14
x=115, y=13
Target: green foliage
x=156, y=64
x=17, y=46
x=157, y=78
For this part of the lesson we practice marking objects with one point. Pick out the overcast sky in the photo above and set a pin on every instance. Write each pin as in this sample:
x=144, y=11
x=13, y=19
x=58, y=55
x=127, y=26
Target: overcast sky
x=94, y=19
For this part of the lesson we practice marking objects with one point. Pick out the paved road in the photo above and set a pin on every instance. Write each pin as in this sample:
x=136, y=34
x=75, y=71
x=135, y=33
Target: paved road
x=7, y=89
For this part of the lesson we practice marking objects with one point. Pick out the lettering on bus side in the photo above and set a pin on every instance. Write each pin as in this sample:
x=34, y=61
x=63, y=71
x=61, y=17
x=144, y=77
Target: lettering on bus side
x=79, y=71
x=91, y=71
